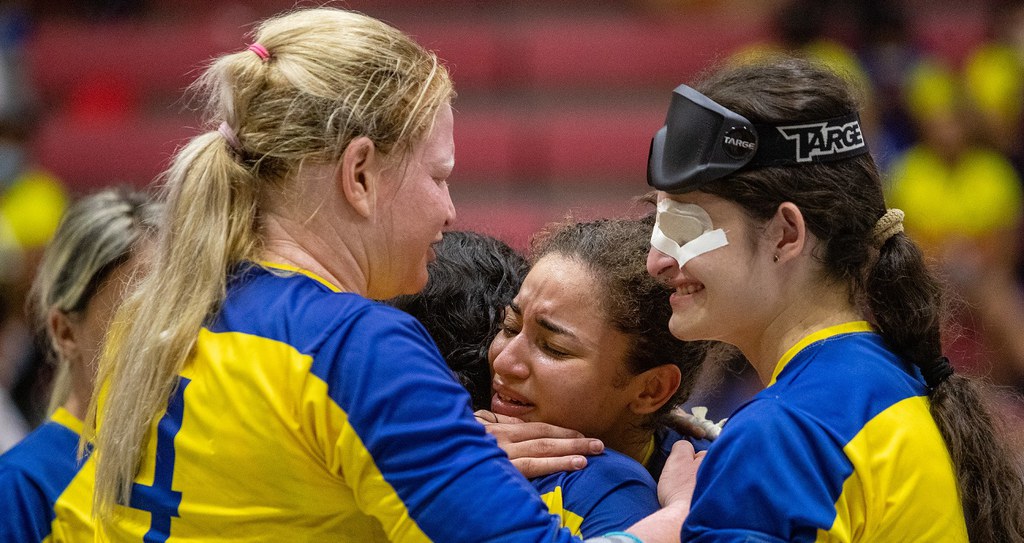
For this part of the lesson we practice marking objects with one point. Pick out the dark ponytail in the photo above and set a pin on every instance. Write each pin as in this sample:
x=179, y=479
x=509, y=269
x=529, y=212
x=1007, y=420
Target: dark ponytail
x=906, y=300
x=842, y=203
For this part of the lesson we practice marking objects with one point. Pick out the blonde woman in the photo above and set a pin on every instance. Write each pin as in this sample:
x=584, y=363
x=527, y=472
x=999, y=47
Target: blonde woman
x=99, y=246
x=256, y=393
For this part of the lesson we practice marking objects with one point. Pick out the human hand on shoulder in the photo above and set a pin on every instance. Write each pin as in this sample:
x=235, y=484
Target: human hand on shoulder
x=537, y=448
x=679, y=477
x=675, y=492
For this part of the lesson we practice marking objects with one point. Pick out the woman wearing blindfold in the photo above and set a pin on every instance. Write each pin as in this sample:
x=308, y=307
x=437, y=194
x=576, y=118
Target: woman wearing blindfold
x=773, y=232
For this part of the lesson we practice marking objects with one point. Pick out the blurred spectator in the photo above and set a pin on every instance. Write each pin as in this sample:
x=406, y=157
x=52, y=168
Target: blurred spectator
x=802, y=27
x=993, y=79
x=807, y=28
x=31, y=204
x=888, y=53
x=963, y=205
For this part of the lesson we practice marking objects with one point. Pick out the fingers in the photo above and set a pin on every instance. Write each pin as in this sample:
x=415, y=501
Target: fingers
x=484, y=416
x=679, y=476
x=525, y=431
x=537, y=448
x=551, y=448
x=490, y=417
x=535, y=467
x=684, y=447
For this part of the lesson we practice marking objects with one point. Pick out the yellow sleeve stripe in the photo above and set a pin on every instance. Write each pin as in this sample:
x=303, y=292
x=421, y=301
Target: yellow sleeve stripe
x=374, y=494
x=556, y=506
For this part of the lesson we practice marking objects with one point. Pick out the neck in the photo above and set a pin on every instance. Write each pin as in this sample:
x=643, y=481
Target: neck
x=815, y=309
x=77, y=404
x=634, y=444
x=296, y=244
x=311, y=227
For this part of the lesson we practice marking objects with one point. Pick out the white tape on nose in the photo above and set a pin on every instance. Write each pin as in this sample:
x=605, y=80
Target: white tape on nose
x=687, y=223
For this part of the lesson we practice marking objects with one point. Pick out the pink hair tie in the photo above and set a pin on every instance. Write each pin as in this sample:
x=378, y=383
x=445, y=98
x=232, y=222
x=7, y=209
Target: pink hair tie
x=260, y=51
x=229, y=135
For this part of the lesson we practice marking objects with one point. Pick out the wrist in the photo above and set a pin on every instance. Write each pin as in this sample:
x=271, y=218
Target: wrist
x=616, y=537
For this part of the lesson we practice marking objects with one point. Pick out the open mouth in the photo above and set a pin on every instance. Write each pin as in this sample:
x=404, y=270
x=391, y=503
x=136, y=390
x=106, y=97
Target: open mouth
x=511, y=406
x=690, y=288
x=511, y=401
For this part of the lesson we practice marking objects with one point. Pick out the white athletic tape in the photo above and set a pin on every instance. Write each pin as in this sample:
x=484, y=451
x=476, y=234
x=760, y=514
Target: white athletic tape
x=687, y=223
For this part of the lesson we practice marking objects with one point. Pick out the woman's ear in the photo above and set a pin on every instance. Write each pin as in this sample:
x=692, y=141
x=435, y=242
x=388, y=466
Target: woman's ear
x=62, y=334
x=656, y=386
x=788, y=231
x=359, y=175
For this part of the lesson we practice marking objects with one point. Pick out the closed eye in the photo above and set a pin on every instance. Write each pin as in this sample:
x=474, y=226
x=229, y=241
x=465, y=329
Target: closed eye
x=554, y=351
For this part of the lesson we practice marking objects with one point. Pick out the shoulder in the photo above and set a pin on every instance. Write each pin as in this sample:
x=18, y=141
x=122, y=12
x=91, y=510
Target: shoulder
x=41, y=466
x=818, y=389
x=611, y=493
x=49, y=449
x=302, y=311
x=607, y=471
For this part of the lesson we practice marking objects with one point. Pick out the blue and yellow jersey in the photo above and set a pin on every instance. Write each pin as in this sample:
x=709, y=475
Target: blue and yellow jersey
x=610, y=495
x=305, y=414
x=45, y=489
x=839, y=447
x=664, y=439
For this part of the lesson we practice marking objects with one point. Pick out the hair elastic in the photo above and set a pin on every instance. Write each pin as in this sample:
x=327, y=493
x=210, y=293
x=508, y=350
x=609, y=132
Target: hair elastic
x=937, y=373
x=260, y=51
x=229, y=135
x=888, y=225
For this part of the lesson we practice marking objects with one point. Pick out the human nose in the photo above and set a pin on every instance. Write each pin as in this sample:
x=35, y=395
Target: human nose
x=660, y=265
x=451, y=206
x=509, y=357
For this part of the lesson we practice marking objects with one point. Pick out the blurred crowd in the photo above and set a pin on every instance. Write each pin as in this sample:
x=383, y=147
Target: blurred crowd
x=948, y=134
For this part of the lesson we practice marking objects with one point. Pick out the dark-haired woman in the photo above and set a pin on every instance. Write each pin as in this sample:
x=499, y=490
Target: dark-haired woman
x=584, y=345
x=777, y=240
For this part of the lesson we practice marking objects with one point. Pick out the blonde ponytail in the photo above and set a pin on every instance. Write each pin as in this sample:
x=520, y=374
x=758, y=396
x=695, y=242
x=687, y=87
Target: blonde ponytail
x=208, y=229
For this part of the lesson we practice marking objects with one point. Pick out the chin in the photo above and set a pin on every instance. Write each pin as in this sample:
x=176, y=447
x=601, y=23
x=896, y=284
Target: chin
x=413, y=284
x=413, y=288
x=679, y=329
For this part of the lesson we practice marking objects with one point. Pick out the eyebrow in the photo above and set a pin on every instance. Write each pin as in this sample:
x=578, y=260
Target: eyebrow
x=545, y=323
x=548, y=325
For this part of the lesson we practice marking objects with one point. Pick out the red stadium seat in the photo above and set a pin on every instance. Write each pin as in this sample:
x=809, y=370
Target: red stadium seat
x=89, y=155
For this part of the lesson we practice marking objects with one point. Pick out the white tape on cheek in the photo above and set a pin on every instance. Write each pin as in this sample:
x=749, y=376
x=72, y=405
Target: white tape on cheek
x=708, y=241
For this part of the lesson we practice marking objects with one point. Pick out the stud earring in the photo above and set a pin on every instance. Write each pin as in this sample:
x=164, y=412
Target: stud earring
x=775, y=258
